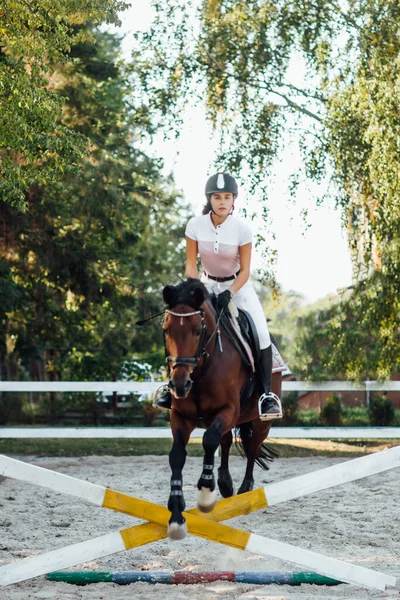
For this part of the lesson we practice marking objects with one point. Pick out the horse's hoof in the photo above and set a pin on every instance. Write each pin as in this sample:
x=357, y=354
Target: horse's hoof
x=225, y=489
x=206, y=499
x=177, y=531
x=246, y=486
x=225, y=484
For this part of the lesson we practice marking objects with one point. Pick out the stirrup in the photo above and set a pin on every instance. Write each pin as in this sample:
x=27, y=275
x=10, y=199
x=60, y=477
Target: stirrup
x=162, y=398
x=274, y=407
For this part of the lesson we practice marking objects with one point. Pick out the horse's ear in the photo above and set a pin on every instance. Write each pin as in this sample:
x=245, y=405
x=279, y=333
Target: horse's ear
x=198, y=297
x=169, y=295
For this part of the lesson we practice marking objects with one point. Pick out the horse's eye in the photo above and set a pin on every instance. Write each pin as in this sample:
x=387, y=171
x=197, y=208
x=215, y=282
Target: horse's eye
x=197, y=332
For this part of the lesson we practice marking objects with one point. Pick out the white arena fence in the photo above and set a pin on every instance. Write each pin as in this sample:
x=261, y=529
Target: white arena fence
x=164, y=432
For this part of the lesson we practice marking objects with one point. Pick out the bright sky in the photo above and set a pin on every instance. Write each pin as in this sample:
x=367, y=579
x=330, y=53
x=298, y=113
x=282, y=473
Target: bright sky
x=312, y=260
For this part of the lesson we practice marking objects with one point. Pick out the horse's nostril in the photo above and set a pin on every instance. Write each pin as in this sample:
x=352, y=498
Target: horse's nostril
x=172, y=385
x=188, y=384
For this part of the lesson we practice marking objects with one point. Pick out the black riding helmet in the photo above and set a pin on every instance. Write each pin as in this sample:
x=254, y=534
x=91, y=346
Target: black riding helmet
x=221, y=182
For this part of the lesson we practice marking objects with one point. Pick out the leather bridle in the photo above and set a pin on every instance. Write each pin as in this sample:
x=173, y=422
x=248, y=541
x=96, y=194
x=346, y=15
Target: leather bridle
x=190, y=361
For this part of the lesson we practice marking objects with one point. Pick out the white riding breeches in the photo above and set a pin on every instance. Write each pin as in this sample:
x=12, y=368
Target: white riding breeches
x=247, y=299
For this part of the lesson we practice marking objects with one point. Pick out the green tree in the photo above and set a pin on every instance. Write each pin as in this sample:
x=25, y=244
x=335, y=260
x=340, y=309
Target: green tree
x=36, y=147
x=236, y=55
x=332, y=412
x=356, y=338
x=93, y=251
x=282, y=311
x=381, y=411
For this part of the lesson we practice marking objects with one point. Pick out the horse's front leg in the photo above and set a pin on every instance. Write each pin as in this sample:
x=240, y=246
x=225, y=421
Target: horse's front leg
x=207, y=494
x=181, y=431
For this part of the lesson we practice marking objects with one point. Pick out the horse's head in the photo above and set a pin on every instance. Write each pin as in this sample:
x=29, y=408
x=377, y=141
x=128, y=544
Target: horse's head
x=184, y=331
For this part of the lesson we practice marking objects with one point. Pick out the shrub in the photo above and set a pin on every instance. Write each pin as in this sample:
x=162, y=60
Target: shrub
x=356, y=416
x=11, y=405
x=290, y=407
x=308, y=418
x=149, y=413
x=381, y=411
x=331, y=413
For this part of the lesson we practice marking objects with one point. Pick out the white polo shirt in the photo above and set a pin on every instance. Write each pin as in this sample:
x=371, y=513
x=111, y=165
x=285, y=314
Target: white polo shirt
x=219, y=245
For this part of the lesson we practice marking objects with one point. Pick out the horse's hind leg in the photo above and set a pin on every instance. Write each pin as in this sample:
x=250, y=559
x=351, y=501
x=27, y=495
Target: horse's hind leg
x=176, y=503
x=251, y=453
x=248, y=480
x=252, y=445
x=225, y=483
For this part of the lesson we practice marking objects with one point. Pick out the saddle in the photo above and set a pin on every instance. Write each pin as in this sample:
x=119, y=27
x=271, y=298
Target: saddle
x=242, y=332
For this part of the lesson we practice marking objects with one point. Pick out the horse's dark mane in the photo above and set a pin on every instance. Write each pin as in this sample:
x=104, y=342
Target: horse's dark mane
x=188, y=286
x=185, y=292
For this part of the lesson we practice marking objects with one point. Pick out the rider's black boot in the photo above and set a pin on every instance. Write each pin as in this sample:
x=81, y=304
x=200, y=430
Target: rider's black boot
x=269, y=405
x=163, y=398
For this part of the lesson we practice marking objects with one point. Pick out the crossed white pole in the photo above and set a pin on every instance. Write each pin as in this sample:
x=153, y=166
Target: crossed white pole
x=199, y=524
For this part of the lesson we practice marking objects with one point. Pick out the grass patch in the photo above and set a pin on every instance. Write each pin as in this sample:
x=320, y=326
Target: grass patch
x=160, y=447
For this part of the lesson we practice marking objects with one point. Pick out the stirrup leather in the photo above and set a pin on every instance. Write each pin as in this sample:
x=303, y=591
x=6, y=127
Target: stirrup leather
x=273, y=399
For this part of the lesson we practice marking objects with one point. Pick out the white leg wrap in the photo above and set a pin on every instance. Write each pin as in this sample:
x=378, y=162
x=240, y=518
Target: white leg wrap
x=176, y=531
x=206, y=499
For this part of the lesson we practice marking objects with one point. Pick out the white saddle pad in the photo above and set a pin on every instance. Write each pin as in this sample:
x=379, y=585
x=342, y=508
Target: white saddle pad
x=278, y=364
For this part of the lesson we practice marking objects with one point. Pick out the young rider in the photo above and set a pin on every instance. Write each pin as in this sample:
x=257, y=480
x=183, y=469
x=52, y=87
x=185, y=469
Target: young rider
x=224, y=244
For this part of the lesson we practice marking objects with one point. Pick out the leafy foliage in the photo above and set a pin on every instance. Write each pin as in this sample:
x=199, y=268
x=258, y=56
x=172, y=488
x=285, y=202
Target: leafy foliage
x=290, y=406
x=357, y=338
x=237, y=56
x=282, y=312
x=381, y=411
x=234, y=55
x=91, y=255
x=331, y=413
x=36, y=147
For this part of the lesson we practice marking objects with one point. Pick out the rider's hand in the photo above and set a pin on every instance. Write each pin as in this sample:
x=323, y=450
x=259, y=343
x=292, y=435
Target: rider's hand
x=223, y=299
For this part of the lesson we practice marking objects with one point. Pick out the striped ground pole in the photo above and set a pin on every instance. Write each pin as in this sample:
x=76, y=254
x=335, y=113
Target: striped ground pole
x=200, y=526
x=192, y=577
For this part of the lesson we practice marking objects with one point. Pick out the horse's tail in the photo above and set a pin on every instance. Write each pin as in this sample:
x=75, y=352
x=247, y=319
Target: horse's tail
x=266, y=453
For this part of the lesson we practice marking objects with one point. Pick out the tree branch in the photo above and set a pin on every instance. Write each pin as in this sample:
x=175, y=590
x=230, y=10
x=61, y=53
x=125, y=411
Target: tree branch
x=297, y=106
x=303, y=92
x=345, y=17
x=266, y=87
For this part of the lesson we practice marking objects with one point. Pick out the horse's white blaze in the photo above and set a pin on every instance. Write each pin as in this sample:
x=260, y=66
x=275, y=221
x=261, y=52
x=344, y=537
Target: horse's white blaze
x=176, y=531
x=206, y=499
x=324, y=565
x=62, y=558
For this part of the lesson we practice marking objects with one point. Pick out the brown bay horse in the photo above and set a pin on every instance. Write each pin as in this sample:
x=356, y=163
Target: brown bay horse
x=206, y=378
